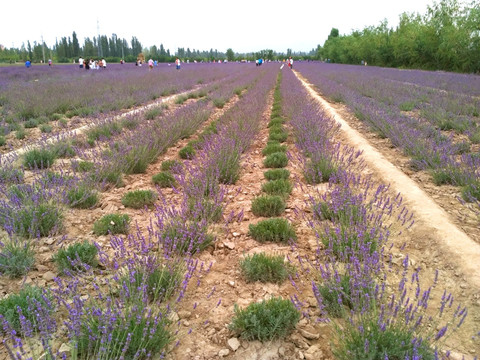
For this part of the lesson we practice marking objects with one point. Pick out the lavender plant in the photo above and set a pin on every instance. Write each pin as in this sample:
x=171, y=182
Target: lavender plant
x=16, y=257
x=111, y=224
x=77, y=257
x=264, y=321
x=265, y=268
x=138, y=199
x=275, y=230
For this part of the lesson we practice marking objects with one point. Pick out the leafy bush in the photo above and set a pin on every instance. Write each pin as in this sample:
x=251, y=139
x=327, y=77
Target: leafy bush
x=103, y=131
x=113, y=177
x=45, y=128
x=160, y=282
x=37, y=220
x=274, y=147
x=85, y=166
x=63, y=149
x=82, y=197
x=335, y=296
x=183, y=238
x=130, y=123
x=111, y=223
x=181, y=99
x=11, y=175
x=268, y=206
x=16, y=258
x=219, y=103
x=319, y=170
x=151, y=114
x=138, y=199
x=451, y=175
x=171, y=165
x=462, y=147
x=63, y=122
x=471, y=192
x=474, y=137
x=276, y=121
x=164, y=179
x=75, y=256
x=276, y=174
x=20, y=133
x=3, y=141
x=30, y=124
x=29, y=299
x=39, y=159
x=265, y=268
x=276, y=160
x=280, y=187
x=346, y=214
x=407, y=105
x=278, y=134
x=132, y=334
x=204, y=209
x=187, y=152
x=392, y=341
x=56, y=116
x=268, y=320
x=276, y=230
x=346, y=241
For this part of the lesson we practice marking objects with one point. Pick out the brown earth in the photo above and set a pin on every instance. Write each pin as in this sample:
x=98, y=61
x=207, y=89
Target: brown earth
x=207, y=309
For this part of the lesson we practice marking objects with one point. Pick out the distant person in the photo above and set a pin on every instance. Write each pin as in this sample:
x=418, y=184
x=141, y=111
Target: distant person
x=81, y=62
x=49, y=62
x=290, y=63
x=150, y=64
x=28, y=64
x=177, y=63
x=104, y=63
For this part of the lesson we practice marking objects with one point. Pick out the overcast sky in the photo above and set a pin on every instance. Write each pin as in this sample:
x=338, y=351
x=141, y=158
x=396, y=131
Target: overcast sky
x=243, y=25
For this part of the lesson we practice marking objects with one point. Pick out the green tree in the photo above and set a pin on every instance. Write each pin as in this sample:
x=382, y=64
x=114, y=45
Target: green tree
x=75, y=45
x=230, y=55
x=29, y=49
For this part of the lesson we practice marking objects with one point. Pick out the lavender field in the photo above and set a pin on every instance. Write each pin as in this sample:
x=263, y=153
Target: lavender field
x=219, y=211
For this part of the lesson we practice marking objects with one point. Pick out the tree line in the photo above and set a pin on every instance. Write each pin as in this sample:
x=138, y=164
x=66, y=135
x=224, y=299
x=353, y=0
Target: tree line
x=113, y=49
x=446, y=38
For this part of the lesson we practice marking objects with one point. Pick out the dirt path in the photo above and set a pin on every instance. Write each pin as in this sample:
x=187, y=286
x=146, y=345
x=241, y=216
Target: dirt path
x=428, y=214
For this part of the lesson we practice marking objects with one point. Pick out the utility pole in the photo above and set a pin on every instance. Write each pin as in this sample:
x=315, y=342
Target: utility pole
x=43, y=50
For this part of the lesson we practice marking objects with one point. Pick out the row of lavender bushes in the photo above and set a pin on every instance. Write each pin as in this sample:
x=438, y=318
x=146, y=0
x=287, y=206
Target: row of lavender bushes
x=353, y=221
x=114, y=90
x=129, y=314
x=216, y=163
x=45, y=91
x=129, y=147
x=105, y=91
x=379, y=97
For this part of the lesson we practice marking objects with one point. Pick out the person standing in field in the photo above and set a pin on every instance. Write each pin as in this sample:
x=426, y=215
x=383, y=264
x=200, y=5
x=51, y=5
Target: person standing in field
x=150, y=64
x=80, y=62
x=104, y=63
x=49, y=62
x=177, y=63
x=290, y=63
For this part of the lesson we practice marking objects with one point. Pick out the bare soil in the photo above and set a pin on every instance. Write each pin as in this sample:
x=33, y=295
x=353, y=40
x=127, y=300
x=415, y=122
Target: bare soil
x=434, y=242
